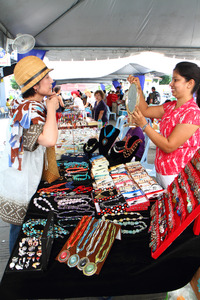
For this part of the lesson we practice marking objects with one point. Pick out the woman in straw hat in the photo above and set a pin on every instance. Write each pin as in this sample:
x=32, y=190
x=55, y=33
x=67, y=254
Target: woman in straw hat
x=32, y=128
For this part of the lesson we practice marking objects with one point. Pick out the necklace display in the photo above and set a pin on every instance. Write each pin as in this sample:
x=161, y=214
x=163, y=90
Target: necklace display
x=40, y=199
x=107, y=135
x=101, y=227
x=29, y=229
x=91, y=267
x=52, y=189
x=74, y=259
x=134, y=223
x=76, y=234
x=129, y=150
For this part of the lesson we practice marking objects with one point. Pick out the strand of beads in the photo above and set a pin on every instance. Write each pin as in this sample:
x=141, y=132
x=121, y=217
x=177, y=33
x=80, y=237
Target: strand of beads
x=29, y=229
x=36, y=200
x=140, y=227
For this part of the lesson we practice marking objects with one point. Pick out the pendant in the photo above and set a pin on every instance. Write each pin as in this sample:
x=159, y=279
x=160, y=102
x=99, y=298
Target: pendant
x=82, y=263
x=73, y=260
x=104, y=141
x=90, y=269
x=63, y=256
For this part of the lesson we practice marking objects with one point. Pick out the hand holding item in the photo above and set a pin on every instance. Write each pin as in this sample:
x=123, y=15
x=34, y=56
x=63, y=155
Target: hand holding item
x=131, y=79
x=138, y=119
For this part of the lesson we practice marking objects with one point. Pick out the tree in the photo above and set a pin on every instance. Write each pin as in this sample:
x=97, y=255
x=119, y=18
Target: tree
x=14, y=84
x=166, y=79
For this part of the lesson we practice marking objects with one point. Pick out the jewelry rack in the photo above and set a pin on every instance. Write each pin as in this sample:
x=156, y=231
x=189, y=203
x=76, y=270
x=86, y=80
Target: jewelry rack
x=177, y=208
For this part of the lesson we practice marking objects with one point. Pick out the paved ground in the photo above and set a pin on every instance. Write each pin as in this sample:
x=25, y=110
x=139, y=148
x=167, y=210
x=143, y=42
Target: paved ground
x=4, y=248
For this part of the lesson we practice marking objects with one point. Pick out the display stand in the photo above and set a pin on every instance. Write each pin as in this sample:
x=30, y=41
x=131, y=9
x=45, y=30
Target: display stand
x=177, y=209
x=195, y=215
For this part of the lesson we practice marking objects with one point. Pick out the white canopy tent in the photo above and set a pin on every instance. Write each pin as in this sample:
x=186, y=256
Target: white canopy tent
x=90, y=29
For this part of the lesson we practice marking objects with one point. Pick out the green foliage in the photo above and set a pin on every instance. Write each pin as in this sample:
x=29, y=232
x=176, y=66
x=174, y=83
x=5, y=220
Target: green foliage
x=14, y=84
x=166, y=79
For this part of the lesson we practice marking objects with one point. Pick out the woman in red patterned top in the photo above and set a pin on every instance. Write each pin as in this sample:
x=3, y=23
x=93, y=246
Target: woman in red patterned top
x=179, y=136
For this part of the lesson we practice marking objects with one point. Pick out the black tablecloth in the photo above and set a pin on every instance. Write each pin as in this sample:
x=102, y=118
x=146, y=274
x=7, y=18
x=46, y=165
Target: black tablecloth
x=129, y=269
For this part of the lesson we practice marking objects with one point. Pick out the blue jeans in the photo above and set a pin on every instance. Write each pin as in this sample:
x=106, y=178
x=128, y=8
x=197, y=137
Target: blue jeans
x=14, y=231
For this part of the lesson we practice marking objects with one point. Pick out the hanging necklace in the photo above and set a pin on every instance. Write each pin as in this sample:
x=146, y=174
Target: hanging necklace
x=106, y=136
x=128, y=151
x=91, y=267
x=74, y=259
x=101, y=227
x=76, y=234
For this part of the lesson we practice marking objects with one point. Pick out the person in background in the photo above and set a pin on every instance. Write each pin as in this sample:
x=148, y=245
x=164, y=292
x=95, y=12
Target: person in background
x=179, y=136
x=119, y=92
x=8, y=103
x=154, y=97
x=100, y=108
x=90, y=99
x=111, y=98
x=33, y=127
x=78, y=102
x=57, y=90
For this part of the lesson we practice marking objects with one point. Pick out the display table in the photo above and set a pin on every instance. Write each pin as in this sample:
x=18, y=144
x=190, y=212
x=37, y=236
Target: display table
x=129, y=268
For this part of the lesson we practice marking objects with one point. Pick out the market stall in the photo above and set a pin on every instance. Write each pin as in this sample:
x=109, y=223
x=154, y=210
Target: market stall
x=116, y=216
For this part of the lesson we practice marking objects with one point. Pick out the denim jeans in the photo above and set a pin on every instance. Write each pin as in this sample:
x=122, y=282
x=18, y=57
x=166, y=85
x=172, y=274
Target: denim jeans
x=14, y=231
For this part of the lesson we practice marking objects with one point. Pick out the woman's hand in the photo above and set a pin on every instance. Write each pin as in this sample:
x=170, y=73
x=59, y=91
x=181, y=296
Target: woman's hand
x=135, y=80
x=52, y=101
x=137, y=118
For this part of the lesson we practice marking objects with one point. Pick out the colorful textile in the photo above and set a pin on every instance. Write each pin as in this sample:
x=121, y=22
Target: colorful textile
x=24, y=114
x=188, y=113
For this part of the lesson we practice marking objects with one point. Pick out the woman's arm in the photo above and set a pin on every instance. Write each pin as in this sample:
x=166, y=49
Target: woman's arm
x=148, y=111
x=60, y=101
x=180, y=134
x=48, y=137
x=100, y=114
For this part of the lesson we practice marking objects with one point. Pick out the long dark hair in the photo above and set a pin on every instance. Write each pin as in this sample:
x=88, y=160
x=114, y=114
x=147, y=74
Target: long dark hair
x=189, y=71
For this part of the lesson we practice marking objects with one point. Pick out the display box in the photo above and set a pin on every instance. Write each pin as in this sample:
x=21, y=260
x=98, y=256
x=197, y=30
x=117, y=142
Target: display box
x=31, y=253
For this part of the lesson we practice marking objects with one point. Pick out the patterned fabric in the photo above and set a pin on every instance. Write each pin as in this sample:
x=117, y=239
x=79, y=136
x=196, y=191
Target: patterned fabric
x=24, y=114
x=188, y=113
x=12, y=212
x=30, y=137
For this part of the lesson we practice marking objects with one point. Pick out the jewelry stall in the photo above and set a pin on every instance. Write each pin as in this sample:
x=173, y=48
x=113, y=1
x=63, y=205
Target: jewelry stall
x=105, y=227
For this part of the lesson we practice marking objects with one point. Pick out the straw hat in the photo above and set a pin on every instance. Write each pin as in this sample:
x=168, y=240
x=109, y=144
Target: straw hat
x=29, y=71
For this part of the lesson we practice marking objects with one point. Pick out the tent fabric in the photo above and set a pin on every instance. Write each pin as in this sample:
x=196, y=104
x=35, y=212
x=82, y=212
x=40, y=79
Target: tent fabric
x=78, y=29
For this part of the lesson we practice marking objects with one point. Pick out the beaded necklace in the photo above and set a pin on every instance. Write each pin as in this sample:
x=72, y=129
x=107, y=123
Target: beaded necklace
x=74, y=259
x=76, y=234
x=101, y=227
x=128, y=151
x=76, y=170
x=29, y=229
x=82, y=189
x=106, y=136
x=91, y=267
x=53, y=188
x=36, y=200
x=81, y=177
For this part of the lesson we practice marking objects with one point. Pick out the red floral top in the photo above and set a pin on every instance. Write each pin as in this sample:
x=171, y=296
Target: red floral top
x=188, y=113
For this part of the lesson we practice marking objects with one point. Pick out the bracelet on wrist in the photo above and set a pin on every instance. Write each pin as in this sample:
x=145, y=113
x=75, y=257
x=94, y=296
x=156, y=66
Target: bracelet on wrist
x=143, y=128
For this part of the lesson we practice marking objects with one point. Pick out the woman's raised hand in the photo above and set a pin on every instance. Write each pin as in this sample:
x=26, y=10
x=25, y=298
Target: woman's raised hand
x=52, y=101
x=135, y=80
